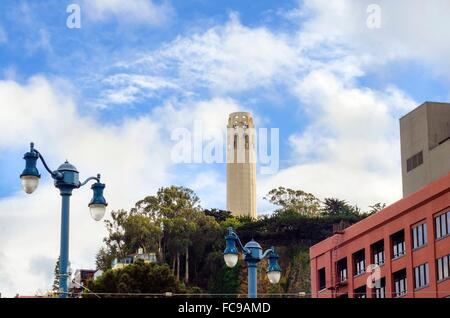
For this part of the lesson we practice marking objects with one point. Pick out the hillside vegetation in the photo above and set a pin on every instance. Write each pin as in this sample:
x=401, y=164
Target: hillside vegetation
x=189, y=242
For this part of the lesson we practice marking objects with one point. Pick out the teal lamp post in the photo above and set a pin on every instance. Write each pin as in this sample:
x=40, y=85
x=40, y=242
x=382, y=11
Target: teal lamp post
x=66, y=179
x=252, y=255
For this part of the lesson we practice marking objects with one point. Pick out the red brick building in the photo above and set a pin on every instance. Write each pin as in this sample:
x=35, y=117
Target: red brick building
x=409, y=240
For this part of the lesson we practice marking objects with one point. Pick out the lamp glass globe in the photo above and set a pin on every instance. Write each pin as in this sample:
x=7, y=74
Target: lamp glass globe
x=29, y=183
x=274, y=276
x=231, y=259
x=97, y=211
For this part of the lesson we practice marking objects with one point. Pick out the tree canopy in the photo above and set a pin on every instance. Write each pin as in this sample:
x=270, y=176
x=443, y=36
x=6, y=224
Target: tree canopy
x=189, y=241
x=294, y=200
x=136, y=278
x=334, y=206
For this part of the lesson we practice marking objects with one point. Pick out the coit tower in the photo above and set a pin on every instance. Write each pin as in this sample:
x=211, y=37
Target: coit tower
x=241, y=165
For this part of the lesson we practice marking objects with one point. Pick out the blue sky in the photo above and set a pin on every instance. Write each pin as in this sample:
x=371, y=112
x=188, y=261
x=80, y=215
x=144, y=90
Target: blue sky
x=39, y=43
x=108, y=95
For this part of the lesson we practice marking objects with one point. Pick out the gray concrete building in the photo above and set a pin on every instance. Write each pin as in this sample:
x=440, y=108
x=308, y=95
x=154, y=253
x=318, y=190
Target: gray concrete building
x=425, y=145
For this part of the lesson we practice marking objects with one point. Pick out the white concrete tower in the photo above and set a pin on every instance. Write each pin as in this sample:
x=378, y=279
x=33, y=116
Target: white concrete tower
x=241, y=165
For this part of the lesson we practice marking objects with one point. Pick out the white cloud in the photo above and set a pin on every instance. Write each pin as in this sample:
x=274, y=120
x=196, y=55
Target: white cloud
x=236, y=57
x=211, y=114
x=350, y=150
x=410, y=29
x=223, y=59
x=129, y=88
x=211, y=187
x=132, y=156
x=136, y=11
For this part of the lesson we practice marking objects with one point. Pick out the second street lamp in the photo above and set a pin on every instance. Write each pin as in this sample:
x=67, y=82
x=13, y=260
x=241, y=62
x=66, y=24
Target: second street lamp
x=253, y=255
x=66, y=179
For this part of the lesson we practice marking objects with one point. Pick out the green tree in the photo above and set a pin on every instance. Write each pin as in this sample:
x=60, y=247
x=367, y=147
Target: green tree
x=104, y=259
x=177, y=233
x=205, y=239
x=190, y=241
x=231, y=221
x=334, y=206
x=139, y=277
x=218, y=215
x=224, y=281
x=115, y=243
x=141, y=232
x=377, y=207
x=168, y=202
x=297, y=200
x=167, y=222
x=55, y=286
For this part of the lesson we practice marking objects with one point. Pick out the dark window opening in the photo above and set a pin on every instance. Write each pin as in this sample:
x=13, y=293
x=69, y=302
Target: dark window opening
x=419, y=235
x=359, y=263
x=380, y=288
x=400, y=288
x=442, y=225
x=421, y=277
x=378, y=253
x=398, y=244
x=342, y=270
x=360, y=292
x=322, y=279
x=414, y=161
x=443, y=267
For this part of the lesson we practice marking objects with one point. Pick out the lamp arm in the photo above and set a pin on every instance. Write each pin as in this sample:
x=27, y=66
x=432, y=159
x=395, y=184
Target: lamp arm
x=97, y=178
x=245, y=250
x=267, y=253
x=54, y=174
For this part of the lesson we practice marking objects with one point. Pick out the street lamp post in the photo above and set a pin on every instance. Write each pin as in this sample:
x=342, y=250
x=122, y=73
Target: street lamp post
x=66, y=179
x=253, y=255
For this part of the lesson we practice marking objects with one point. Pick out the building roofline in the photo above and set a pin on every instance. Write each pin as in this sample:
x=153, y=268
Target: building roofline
x=423, y=105
x=401, y=206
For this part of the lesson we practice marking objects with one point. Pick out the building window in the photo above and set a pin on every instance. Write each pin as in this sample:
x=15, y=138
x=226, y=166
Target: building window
x=378, y=253
x=359, y=263
x=341, y=267
x=414, y=161
x=360, y=292
x=322, y=279
x=421, y=278
x=398, y=244
x=380, y=288
x=442, y=225
x=400, y=283
x=443, y=267
x=419, y=235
